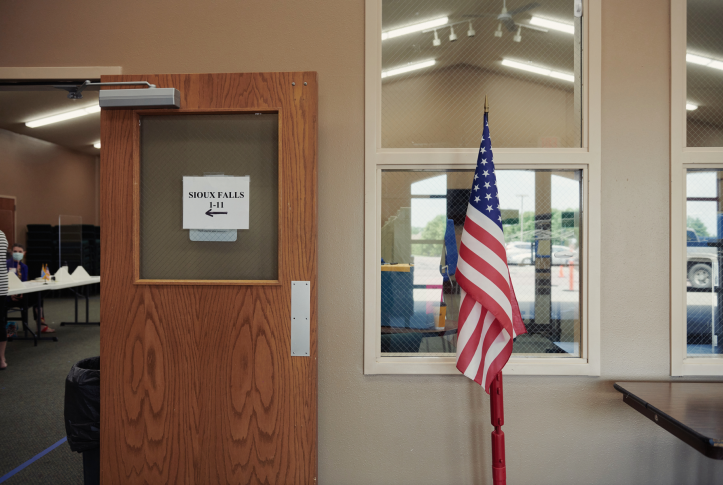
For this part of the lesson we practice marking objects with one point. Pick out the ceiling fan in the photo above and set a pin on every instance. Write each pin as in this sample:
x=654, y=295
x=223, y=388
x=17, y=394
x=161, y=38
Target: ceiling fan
x=506, y=17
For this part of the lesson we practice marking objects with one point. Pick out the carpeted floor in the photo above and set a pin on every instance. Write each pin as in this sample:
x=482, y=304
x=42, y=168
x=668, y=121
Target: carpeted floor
x=32, y=390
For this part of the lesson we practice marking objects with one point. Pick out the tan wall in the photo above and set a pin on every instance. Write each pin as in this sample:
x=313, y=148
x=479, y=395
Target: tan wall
x=48, y=180
x=431, y=429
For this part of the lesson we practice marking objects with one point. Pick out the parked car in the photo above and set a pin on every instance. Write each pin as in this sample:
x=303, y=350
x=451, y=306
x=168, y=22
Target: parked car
x=702, y=261
x=522, y=253
x=519, y=253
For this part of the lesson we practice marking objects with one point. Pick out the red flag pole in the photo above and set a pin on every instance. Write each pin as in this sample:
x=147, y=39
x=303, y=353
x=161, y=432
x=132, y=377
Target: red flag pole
x=497, y=415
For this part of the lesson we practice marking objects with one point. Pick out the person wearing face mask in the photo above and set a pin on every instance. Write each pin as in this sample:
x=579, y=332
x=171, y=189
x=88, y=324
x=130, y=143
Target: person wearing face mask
x=16, y=265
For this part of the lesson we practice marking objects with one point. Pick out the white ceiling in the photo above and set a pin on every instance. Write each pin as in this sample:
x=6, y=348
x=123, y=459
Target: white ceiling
x=19, y=107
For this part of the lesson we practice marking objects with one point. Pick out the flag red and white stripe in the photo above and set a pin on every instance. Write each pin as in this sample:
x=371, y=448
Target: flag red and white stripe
x=489, y=317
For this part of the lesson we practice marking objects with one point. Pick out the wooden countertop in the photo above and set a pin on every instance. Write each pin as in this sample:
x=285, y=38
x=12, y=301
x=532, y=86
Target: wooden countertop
x=692, y=411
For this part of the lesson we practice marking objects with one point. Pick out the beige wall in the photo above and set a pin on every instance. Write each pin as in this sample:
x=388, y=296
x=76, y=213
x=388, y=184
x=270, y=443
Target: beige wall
x=431, y=429
x=48, y=180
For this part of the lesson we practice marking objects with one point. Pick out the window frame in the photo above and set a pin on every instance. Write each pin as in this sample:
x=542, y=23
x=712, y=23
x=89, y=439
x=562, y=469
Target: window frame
x=586, y=159
x=683, y=158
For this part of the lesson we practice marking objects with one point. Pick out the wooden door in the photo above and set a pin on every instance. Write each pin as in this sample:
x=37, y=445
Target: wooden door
x=198, y=384
x=7, y=219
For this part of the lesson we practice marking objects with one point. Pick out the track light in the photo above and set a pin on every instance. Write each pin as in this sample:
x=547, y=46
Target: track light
x=436, y=42
x=498, y=32
x=63, y=116
x=518, y=36
x=470, y=32
x=96, y=145
x=415, y=28
x=539, y=70
x=452, y=35
x=690, y=107
x=411, y=67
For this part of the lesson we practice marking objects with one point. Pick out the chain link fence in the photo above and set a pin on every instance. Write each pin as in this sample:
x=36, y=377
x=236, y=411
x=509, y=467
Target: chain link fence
x=435, y=78
x=422, y=218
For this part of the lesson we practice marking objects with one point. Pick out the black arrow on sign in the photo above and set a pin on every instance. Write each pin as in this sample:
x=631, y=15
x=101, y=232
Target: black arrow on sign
x=210, y=214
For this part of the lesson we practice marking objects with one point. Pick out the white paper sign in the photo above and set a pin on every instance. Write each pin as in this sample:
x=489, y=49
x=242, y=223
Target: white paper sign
x=215, y=202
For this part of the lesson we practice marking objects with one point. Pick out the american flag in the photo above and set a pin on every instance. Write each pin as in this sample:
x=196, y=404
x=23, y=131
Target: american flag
x=489, y=317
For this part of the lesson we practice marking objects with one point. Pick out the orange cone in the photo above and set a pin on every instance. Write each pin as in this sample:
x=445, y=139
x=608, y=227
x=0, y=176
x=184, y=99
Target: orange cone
x=572, y=276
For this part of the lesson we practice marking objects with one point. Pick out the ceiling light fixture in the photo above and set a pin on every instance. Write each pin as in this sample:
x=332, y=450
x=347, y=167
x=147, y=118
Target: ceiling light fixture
x=539, y=70
x=436, y=42
x=470, y=32
x=452, y=35
x=409, y=68
x=690, y=107
x=63, y=116
x=704, y=61
x=498, y=32
x=552, y=24
x=97, y=145
x=415, y=28
x=518, y=36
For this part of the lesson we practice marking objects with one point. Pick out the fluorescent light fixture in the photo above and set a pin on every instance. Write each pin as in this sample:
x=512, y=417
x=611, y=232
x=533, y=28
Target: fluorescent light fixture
x=690, y=107
x=703, y=61
x=526, y=67
x=97, y=144
x=716, y=65
x=552, y=24
x=411, y=67
x=563, y=76
x=429, y=24
x=63, y=116
x=539, y=70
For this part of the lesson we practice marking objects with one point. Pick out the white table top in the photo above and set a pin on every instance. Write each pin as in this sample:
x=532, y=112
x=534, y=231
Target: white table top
x=36, y=286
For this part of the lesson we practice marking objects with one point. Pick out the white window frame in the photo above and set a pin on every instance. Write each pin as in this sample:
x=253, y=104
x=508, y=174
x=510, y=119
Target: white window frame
x=587, y=159
x=681, y=159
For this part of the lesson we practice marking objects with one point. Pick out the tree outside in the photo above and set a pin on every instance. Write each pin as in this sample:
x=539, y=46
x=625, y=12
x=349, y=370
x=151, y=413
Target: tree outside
x=697, y=225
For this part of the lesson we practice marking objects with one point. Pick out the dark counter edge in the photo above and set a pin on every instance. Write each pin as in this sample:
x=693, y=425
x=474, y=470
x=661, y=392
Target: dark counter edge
x=712, y=448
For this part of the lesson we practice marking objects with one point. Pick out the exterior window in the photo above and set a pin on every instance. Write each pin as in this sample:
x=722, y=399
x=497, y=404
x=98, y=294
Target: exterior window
x=434, y=80
x=429, y=66
x=704, y=74
x=423, y=212
x=696, y=148
x=702, y=263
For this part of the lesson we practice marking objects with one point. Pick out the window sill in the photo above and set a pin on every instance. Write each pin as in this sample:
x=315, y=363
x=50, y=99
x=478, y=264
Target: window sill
x=700, y=366
x=446, y=366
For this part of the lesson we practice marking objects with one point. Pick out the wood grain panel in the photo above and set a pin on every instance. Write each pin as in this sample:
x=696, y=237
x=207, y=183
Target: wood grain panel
x=7, y=219
x=198, y=382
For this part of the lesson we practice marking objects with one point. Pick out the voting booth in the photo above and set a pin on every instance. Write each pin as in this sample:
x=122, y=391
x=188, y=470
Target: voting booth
x=208, y=347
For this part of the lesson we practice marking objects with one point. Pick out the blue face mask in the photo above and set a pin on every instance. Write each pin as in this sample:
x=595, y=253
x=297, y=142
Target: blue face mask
x=18, y=256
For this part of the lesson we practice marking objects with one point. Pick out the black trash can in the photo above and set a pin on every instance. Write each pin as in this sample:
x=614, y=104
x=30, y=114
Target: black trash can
x=82, y=415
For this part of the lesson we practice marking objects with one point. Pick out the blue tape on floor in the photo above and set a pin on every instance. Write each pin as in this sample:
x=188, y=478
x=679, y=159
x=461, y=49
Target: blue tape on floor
x=33, y=459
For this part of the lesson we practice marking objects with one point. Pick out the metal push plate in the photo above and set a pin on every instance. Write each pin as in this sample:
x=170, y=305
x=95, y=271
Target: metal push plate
x=300, y=318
